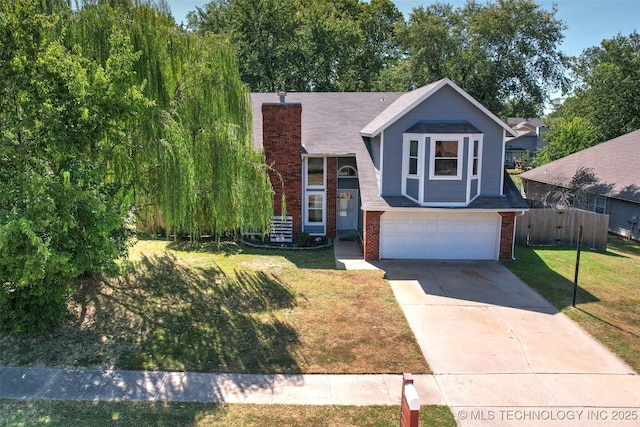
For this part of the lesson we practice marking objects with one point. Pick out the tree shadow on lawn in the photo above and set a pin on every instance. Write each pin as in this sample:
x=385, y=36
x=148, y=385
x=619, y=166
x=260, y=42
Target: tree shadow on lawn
x=165, y=316
x=323, y=259
x=551, y=285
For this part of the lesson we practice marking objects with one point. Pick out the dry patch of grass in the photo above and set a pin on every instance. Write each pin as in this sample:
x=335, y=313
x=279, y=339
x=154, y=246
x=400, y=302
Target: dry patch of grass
x=97, y=414
x=609, y=291
x=228, y=309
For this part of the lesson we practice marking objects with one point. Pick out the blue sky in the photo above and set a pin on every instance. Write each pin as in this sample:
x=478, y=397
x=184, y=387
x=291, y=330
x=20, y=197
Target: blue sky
x=588, y=21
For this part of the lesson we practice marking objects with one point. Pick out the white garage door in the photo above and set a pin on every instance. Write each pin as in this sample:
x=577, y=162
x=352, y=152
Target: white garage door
x=439, y=235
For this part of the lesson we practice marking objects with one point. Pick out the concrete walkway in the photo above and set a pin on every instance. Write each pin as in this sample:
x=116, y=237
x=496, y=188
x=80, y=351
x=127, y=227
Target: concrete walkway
x=349, y=255
x=60, y=384
x=504, y=356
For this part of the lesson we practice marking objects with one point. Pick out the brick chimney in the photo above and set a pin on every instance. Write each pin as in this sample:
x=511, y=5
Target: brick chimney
x=282, y=143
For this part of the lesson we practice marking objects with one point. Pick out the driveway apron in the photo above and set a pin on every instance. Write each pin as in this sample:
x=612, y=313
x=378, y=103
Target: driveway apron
x=502, y=355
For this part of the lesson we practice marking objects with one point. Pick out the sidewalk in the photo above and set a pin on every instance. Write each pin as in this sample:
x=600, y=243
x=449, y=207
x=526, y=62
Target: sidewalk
x=62, y=384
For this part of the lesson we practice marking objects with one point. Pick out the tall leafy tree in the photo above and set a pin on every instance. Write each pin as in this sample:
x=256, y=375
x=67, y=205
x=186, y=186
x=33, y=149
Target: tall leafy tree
x=264, y=35
x=566, y=136
x=61, y=213
x=305, y=45
x=504, y=53
x=607, y=92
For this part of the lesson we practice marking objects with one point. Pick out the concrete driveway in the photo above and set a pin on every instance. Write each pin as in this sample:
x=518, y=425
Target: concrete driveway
x=503, y=355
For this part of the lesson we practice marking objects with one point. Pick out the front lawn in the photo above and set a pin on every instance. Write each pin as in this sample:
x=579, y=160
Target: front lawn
x=609, y=290
x=228, y=309
x=140, y=414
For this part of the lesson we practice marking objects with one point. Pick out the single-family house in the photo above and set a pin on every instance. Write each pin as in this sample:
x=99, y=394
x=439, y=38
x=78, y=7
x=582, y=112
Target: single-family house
x=414, y=175
x=615, y=164
x=529, y=139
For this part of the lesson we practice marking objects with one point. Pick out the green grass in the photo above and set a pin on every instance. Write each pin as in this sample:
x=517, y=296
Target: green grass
x=608, y=294
x=140, y=414
x=228, y=309
x=516, y=179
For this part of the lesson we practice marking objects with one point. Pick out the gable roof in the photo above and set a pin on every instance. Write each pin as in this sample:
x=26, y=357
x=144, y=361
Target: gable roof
x=409, y=100
x=616, y=163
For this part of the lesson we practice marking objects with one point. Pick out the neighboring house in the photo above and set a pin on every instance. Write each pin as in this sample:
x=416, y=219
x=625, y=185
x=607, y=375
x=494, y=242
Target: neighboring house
x=415, y=175
x=529, y=138
x=615, y=163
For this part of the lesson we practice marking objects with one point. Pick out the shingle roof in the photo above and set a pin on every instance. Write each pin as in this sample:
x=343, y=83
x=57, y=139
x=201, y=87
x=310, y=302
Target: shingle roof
x=331, y=124
x=402, y=104
x=518, y=122
x=616, y=163
x=443, y=127
x=331, y=121
x=511, y=199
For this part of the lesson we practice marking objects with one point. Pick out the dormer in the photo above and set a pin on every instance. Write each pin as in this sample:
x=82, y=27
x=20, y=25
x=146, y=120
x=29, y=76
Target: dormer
x=439, y=147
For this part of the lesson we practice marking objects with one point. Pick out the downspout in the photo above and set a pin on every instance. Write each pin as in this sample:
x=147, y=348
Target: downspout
x=515, y=226
x=504, y=146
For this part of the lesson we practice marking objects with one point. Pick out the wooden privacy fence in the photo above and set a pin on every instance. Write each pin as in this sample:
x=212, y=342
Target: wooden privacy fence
x=559, y=227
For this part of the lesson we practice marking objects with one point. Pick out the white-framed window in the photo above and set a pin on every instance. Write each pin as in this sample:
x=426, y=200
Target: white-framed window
x=476, y=148
x=315, y=204
x=315, y=172
x=446, y=157
x=412, y=153
x=347, y=172
x=413, y=157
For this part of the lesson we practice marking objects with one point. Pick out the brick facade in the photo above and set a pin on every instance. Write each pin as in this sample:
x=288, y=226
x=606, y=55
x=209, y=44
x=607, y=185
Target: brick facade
x=371, y=236
x=507, y=231
x=282, y=142
x=332, y=194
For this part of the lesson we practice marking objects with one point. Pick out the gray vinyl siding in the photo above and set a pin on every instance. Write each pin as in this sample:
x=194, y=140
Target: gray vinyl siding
x=374, y=145
x=446, y=191
x=449, y=191
x=528, y=142
x=412, y=188
x=445, y=105
x=492, y=157
x=474, y=188
x=620, y=212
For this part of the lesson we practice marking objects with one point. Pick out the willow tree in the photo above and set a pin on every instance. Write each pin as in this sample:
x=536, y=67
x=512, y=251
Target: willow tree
x=190, y=157
x=107, y=110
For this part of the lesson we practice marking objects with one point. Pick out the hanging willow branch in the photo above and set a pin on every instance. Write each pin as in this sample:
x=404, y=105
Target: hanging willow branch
x=190, y=157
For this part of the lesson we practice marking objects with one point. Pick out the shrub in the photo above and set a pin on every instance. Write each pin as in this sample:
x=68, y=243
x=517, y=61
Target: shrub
x=304, y=239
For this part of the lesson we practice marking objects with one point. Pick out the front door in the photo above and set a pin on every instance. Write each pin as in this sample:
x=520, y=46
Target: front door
x=347, y=209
